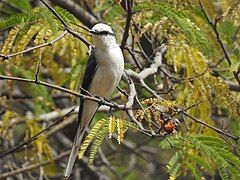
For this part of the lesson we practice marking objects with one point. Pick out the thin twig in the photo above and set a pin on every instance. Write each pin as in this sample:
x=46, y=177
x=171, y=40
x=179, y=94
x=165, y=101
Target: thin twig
x=151, y=91
x=127, y=24
x=218, y=38
x=143, y=52
x=55, y=13
x=33, y=166
x=113, y=105
x=81, y=26
x=134, y=58
x=35, y=47
x=39, y=64
x=130, y=102
x=108, y=164
x=33, y=138
x=78, y=11
x=236, y=138
x=69, y=30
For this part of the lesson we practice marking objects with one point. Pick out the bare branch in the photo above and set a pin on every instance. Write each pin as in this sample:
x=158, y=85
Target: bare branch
x=236, y=138
x=33, y=166
x=69, y=30
x=33, y=138
x=134, y=57
x=129, y=111
x=35, y=47
x=127, y=24
x=218, y=38
x=148, y=71
x=130, y=102
x=83, y=15
x=113, y=105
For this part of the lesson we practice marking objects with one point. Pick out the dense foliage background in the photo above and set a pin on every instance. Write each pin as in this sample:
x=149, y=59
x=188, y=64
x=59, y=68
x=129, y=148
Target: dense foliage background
x=182, y=60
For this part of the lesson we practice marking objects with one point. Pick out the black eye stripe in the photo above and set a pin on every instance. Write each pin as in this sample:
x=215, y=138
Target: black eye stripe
x=105, y=33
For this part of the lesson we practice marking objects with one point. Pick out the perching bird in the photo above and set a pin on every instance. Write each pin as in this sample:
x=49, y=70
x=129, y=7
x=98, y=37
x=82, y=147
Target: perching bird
x=102, y=75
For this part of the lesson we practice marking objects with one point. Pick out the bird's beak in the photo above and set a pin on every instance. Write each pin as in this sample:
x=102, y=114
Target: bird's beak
x=92, y=32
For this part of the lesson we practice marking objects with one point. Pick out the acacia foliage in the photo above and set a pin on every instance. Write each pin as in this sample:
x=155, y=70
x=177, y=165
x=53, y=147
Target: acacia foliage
x=194, y=76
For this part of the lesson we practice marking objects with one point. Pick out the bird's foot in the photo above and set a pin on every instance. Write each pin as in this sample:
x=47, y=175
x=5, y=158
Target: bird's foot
x=102, y=100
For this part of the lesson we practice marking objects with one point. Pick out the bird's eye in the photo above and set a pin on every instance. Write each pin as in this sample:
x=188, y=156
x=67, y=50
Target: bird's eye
x=105, y=33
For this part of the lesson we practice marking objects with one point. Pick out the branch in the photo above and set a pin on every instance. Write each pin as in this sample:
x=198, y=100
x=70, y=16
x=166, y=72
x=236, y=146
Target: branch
x=61, y=125
x=84, y=160
x=129, y=104
x=55, y=13
x=233, y=87
x=134, y=58
x=214, y=27
x=33, y=138
x=236, y=138
x=69, y=30
x=151, y=70
x=34, y=166
x=127, y=24
x=215, y=30
x=148, y=71
x=129, y=111
x=98, y=100
x=84, y=16
x=35, y=47
x=179, y=79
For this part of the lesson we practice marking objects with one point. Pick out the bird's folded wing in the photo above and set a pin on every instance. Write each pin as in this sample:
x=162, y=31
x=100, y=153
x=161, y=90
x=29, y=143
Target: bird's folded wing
x=87, y=80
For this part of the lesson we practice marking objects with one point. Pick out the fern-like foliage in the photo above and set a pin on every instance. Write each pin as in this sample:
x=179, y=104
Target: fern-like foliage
x=174, y=165
x=95, y=131
x=19, y=18
x=31, y=16
x=6, y=121
x=97, y=143
x=209, y=152
x=182, y=20
x=100, y=131
x=41, y=144
x=39, y=26
x=205, y=87
x=65, y=15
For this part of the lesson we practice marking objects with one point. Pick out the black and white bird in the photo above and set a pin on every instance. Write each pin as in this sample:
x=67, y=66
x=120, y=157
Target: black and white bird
x=102, y=75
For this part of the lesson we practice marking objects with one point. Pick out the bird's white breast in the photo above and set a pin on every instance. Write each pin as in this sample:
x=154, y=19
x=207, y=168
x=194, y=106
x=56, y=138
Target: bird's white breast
x=107, y=76
x=110, y=68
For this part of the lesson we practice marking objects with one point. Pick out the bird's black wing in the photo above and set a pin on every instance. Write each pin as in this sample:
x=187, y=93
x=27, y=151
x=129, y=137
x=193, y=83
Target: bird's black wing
x=87, y=80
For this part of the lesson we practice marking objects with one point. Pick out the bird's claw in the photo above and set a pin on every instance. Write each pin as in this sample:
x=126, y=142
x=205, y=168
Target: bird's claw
x=102, y=100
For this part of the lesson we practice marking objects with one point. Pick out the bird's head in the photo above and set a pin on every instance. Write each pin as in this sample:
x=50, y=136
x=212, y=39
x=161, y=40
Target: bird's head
x=103, y=35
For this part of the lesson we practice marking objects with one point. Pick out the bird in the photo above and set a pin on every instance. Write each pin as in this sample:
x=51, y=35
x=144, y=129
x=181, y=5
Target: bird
x=103, y=73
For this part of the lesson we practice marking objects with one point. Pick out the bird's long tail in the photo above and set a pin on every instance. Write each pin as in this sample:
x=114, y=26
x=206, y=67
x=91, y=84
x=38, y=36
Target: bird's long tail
x=74, y=151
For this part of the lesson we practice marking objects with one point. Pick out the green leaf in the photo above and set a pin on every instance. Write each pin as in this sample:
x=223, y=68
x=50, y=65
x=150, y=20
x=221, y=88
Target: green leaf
x=93, y=133
x=235, y=66
x=204, y=164
x=50, y=18
x=65, y=15
x=195, y=172
x=23, y=4
x=174, y=164
x=97, y=143
x=18, y=18
x=185, y=23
